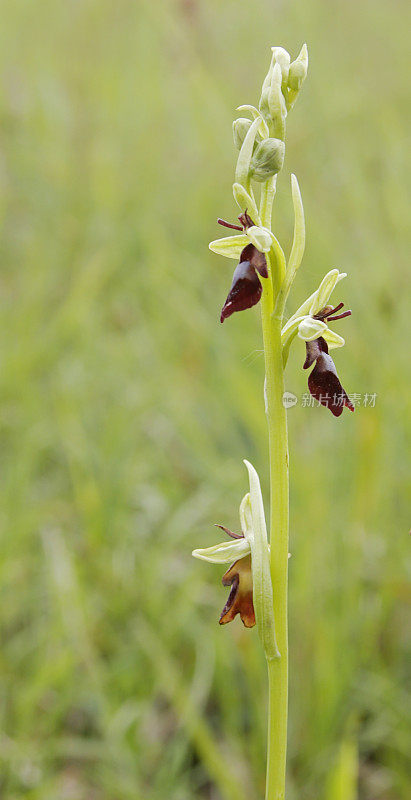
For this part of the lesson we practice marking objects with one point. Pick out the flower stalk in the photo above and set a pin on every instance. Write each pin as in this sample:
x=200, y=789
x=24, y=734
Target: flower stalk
x=278, y=457
x=259, y=575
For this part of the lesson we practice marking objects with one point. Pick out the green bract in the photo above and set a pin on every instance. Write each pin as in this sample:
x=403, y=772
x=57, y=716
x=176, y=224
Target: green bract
x=255, y=532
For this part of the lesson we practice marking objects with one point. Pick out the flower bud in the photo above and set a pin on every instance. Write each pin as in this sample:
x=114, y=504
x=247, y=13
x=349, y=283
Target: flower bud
x=282, y=57
x=297, y=75
x=267, y=160
x=240, y=128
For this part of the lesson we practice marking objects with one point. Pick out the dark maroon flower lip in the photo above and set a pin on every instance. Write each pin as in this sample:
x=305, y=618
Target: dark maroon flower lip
x=323, y=382
x=246, y=288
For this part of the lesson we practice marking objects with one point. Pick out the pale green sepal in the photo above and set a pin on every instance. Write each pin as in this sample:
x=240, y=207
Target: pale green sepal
x=261, y=238
x=224, y=552
x=229, y=246
x=310, y=329
x=333, y=339
x=245, y=201
x=263, y=129
x=254, y=528
x=245, y=154
x=305, y=307
x=324, y=291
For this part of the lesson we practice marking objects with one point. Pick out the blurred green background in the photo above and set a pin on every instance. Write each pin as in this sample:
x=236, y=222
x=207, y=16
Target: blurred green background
x=126, y=408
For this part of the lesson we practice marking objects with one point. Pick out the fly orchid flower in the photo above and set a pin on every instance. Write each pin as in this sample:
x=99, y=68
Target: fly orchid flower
x=249, y=574
x=323, y=382
x=238, y=576
x=246, y=288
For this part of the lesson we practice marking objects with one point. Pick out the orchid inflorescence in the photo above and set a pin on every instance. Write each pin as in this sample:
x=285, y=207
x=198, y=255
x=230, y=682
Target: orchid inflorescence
x=259, y=138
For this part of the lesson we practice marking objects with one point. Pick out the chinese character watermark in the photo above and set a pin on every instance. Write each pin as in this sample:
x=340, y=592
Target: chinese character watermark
x=366, y=399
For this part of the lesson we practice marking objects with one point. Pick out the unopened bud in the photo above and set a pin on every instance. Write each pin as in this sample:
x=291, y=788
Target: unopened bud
x=297, y=73
x=240, y=128
x=282, y=57
x=267, y=160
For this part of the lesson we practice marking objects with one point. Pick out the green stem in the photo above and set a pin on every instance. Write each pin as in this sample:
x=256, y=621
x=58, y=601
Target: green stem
x=278, y=450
